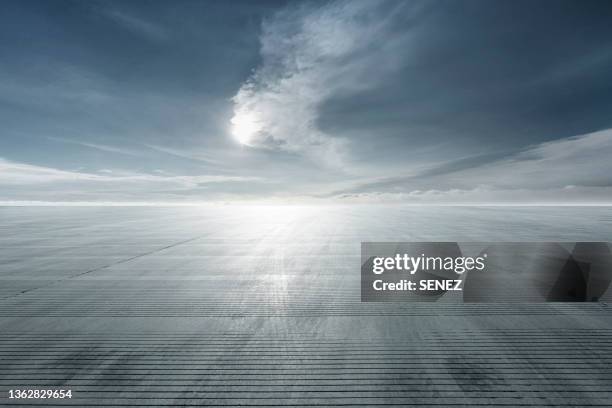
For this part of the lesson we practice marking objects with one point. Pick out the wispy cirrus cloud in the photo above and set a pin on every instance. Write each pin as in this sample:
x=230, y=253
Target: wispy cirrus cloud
x=187, y=154
x=101, y=147
x=137, y=24
x=22, y=181
x=574, y=169
x=13, y=172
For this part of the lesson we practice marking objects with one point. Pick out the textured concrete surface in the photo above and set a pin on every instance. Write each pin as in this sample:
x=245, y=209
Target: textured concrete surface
x=260, y=306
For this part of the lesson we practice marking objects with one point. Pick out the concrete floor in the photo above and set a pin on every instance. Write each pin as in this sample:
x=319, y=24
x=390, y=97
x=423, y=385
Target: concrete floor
x=260, y=306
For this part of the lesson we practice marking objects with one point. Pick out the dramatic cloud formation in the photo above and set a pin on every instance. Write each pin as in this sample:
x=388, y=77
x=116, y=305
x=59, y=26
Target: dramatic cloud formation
x=374, y=100
x=308, y=55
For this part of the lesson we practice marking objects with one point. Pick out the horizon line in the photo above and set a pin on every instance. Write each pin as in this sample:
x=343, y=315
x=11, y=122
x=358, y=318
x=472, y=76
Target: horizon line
x=26, y=203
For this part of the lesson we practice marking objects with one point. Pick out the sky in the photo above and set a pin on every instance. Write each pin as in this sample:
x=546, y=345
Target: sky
x=465, y=102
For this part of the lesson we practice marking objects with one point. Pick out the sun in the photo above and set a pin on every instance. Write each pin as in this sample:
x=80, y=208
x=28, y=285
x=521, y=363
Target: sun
x=244, y=127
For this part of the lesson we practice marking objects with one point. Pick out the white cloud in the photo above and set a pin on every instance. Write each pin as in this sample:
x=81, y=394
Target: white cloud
x=188, y=154
x=13, y=173
x=488, y=196
x=101, y=147
x=580, y=161
x=309, y=55
x=572, y=170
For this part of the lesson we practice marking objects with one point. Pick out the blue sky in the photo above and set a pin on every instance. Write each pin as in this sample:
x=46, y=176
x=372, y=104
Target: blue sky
x=358, y=101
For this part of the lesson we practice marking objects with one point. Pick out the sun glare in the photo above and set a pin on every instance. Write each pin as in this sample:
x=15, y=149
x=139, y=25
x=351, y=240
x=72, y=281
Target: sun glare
x=244, y=127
